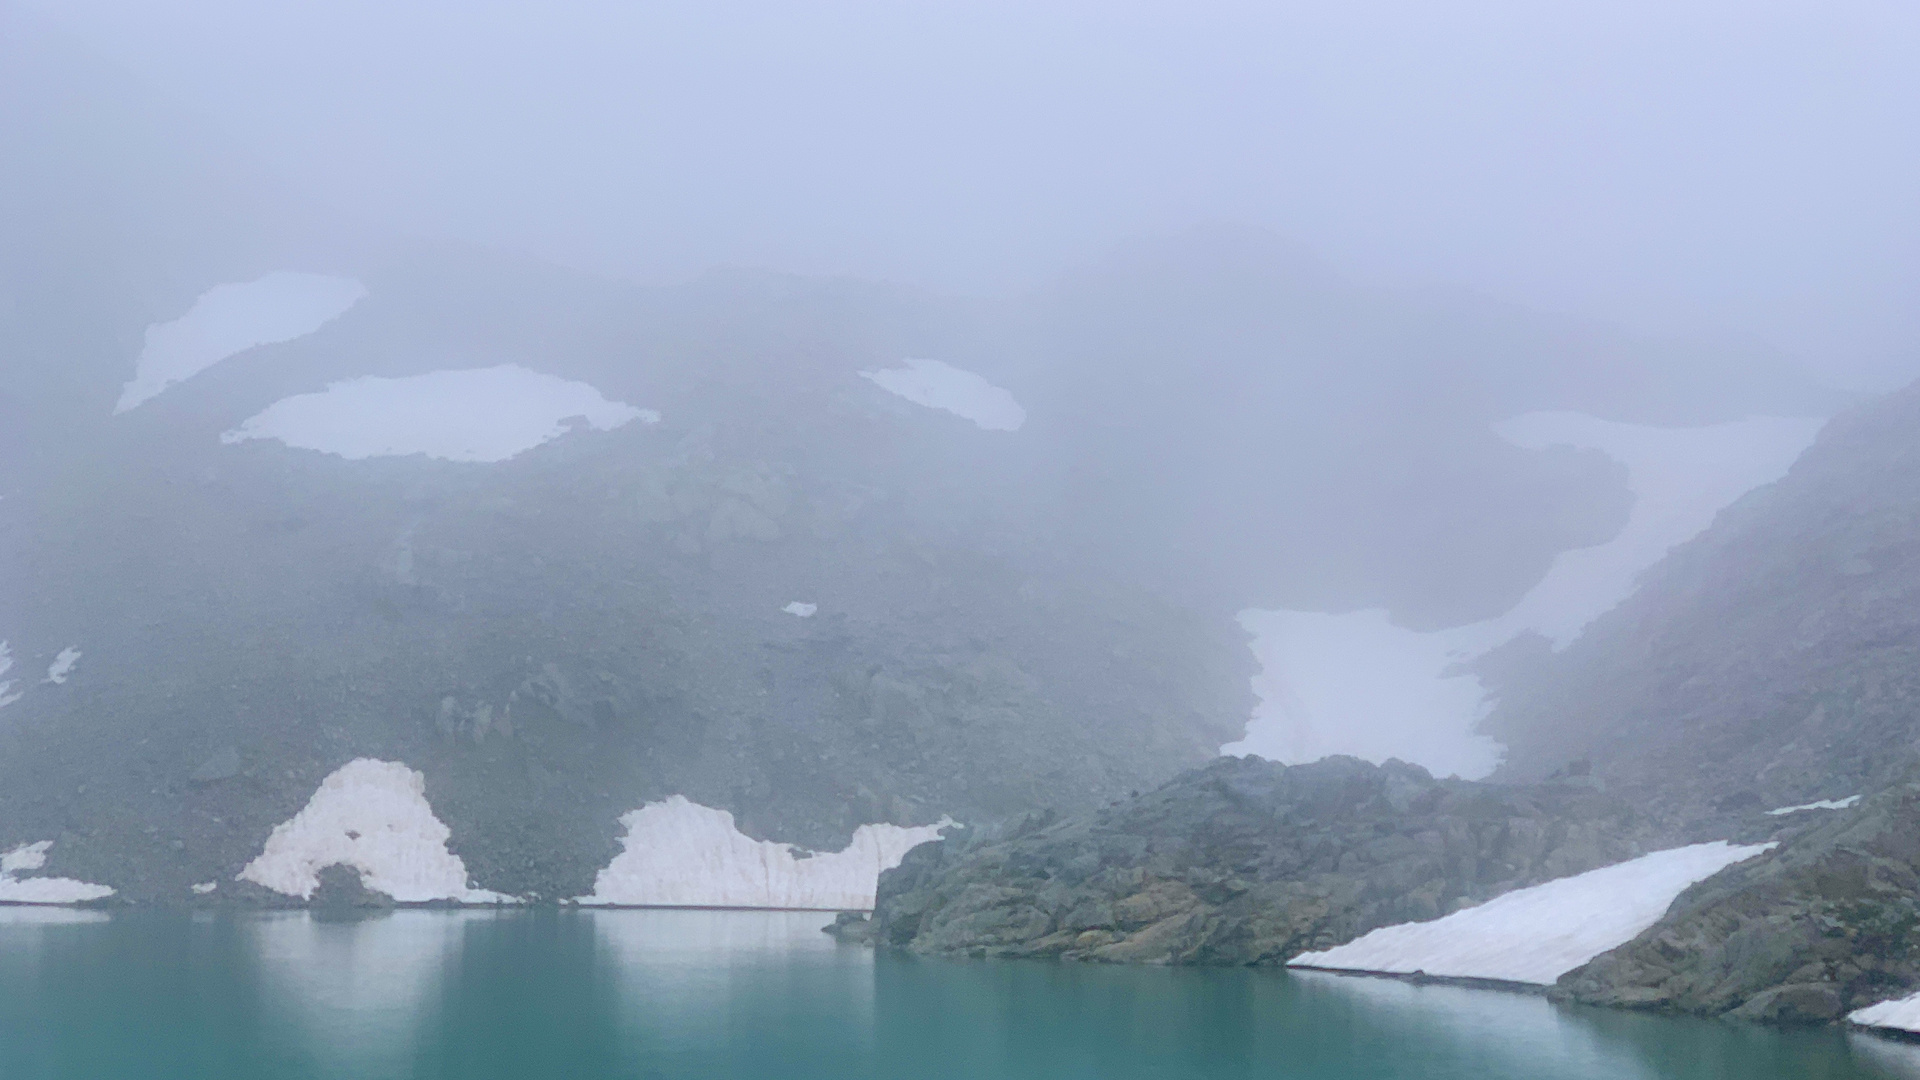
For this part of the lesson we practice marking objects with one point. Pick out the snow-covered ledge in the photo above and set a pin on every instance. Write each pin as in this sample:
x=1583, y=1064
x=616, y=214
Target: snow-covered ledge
x=956, y=390
x=39, y=890
x=373, y=816
x=1900, y=1014
x=1535, y=935
x=678, y=853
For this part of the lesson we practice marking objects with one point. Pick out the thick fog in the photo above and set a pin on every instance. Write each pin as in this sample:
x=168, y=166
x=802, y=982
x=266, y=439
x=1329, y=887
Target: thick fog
x=1713, y=169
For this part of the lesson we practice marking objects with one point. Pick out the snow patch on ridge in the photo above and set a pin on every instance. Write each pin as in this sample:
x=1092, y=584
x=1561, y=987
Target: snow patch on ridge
x=1825, y=804
x=15, y=890
x=473, y=414
x=232, y=318
x=960, y=392
x=1537, y=934
x=373, y=816
x=1354, y=683
x=805, y=611
x=62, y=665
x=678, y=853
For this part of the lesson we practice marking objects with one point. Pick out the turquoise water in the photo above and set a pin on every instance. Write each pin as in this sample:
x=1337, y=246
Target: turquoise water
x=670, y=994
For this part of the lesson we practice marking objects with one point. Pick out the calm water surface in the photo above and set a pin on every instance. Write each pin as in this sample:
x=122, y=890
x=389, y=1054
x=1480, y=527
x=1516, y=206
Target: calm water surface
x=669, y=994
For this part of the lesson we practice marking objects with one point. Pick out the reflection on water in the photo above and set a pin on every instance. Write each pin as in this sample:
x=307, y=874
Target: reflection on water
x=667, y=994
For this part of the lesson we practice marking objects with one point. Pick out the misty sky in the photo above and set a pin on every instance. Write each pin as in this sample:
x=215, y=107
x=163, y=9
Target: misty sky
x=1696, y=165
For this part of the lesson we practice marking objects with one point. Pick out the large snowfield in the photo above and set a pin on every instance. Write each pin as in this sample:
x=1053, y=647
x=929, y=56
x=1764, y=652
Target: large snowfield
x=1355, y=683
x=474, y=414
x=232, y=318
x=1537, y=934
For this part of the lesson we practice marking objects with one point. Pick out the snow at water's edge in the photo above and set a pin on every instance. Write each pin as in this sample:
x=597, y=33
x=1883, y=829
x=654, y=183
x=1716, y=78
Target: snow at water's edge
x=678, y=853
x=1354, y=683
x=373, y=816
x=1537, y=934
x=474, y=414
x=232, y=318
x=958, y=391
x=1900, y=1014
x=1825, y=804
x=17, y=890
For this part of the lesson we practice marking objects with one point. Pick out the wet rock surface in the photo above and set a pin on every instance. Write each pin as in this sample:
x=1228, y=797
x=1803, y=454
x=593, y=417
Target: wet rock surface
x=1827, y=923
x=1244, y=861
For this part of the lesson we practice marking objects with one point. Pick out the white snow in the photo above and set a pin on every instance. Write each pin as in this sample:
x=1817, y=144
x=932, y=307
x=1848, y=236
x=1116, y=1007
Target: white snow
x=6, y=662
x=960, y=392
x=17, y=890
x=62, y=665
x=1537, y=934
x=1901, y=1013
x=1824, y=804
x=800, y=609
x=1355, y=683
x=472, y=414
x=229, y=319
x=677, y=853
x=373, y=816
x=204, y=888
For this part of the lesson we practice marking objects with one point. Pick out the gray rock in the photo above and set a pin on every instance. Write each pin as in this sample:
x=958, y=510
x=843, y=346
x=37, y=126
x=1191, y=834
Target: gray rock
x=223, y=765
x=1245, y=861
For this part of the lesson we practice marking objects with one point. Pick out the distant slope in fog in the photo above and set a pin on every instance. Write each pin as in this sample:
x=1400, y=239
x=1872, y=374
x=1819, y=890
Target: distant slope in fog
x=1024, y=602
x=1774, y=660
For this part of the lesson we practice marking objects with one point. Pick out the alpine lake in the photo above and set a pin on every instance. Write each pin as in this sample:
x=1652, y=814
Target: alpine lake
x=659, y=994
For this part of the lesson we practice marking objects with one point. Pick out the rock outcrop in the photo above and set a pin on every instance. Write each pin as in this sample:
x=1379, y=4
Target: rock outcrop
x=1827, y=923
x=1245, y=861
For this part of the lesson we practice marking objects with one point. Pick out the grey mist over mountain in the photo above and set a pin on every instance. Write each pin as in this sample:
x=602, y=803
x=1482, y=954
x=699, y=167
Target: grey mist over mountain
x=1702, y=168
x=691, y=454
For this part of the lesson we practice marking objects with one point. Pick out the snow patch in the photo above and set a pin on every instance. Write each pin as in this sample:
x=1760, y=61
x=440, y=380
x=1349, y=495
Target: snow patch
x=1354, y=683
x=473, y=414
x=62, y=665
x=1825, y=804
x=230, y=319
x=677, y=853
x=373, y=816
x=204, y=887
x=6, y=662
x=960, y=392
x=15, y=890
x=1902, y=1014
x=1537, y=934
x=803, y=610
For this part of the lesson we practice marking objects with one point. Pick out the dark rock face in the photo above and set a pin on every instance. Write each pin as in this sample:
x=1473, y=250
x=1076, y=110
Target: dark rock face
x=1828, y=923
x=1244, y=861
x=1773, y=660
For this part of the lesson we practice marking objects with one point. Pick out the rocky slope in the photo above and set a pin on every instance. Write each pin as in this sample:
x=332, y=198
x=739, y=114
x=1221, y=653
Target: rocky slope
x=1774, y=660
x=1827, y=923
x=1244, y=861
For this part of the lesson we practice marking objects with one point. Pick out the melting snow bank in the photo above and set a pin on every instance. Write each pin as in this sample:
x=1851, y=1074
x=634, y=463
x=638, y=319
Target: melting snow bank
x=373, y=816
x=678, y=853
x=1355, y=683
x=1537, y=934
x=14, y=890
x=229, y=319
x=1825, y=804
x=476, y=414
x=962, y=393
x=1900, y=1014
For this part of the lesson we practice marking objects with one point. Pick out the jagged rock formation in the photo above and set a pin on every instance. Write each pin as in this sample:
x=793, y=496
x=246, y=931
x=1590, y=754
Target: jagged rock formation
x=1245, y=861
x=1826, y=924
x=1773, y=660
